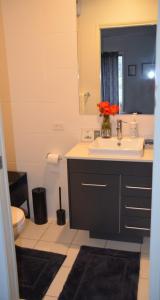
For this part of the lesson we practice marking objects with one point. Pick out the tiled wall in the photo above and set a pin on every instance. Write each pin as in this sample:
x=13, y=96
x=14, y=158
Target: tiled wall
x=41, y=45
x=41, y=50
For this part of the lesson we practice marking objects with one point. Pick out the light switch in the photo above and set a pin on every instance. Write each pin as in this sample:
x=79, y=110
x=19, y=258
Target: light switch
x=58, y=127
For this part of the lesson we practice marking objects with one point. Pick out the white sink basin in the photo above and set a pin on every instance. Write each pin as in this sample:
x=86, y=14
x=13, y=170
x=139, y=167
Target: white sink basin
x=127, y=146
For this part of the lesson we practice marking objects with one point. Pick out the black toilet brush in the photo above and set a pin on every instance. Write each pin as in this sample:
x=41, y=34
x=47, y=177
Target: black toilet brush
x=61, y=216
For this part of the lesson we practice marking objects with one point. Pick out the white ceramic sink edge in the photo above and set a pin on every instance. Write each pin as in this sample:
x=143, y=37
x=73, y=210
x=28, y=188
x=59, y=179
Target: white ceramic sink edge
x=127, y=146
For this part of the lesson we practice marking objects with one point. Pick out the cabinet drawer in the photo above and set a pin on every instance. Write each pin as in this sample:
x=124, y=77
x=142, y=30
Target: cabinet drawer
x=135, y=224
x=136, y=202
x=136, y=186
x=110, y=167
x=131, y=211
x=96, y=182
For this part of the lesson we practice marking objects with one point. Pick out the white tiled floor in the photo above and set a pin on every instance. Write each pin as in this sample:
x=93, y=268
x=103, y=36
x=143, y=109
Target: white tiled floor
x=63, y=240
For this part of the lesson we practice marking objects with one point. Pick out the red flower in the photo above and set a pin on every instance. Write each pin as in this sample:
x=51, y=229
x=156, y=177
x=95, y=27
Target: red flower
x=105, y=108
x=114, y=109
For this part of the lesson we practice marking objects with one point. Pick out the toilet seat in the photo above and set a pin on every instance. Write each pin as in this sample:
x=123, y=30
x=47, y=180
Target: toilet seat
x=18, y=216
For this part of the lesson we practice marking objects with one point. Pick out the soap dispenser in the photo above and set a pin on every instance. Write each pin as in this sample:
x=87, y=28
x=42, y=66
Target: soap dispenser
x=133, y=128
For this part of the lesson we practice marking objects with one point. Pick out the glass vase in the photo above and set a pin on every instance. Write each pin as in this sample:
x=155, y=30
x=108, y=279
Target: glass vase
x=106, y=131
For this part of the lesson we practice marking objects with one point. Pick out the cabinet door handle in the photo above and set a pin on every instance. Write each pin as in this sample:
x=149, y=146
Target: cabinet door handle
x=94, y=184
x=138, y=208
x=138, y=188
x=136, y=228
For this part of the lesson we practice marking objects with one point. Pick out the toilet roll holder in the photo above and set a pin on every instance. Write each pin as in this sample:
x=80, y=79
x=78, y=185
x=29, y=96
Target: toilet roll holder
x=59, y=156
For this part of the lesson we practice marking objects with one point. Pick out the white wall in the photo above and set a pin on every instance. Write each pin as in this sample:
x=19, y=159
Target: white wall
x=5, y=101
x=40, y=40
x=41, y=49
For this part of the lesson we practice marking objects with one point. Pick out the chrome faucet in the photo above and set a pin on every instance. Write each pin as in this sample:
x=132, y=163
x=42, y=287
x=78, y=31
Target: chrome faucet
x=119, y=129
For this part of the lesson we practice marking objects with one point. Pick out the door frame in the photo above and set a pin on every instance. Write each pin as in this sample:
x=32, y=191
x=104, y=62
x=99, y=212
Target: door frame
x=155, y=219
x=8, y=269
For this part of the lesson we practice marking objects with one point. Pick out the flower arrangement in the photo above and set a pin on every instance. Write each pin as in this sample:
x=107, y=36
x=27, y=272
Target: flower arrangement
x=106, y=109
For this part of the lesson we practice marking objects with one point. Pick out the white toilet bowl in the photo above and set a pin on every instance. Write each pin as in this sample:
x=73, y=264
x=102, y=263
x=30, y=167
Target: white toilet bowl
x=18, y=220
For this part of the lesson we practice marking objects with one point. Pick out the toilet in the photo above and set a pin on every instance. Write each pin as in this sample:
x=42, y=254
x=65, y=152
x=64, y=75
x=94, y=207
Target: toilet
x=18, y=220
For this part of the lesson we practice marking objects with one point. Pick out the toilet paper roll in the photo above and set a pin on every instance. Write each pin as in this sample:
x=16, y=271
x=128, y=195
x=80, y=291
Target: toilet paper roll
x=53, y=158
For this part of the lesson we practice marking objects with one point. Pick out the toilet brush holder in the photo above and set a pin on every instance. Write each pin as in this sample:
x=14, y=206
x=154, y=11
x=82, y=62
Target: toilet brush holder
x=61, y=215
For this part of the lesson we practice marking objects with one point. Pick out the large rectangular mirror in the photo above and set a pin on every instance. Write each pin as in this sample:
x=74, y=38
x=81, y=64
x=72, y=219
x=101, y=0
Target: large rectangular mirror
x=116, y=62
x=128, y=68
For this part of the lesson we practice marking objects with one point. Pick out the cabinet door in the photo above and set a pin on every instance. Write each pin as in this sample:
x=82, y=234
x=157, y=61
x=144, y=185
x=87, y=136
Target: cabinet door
x=94, y=202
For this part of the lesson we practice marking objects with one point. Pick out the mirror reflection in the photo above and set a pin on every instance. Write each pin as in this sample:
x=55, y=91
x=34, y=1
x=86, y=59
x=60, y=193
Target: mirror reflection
x=94, y=19
x=127, y=68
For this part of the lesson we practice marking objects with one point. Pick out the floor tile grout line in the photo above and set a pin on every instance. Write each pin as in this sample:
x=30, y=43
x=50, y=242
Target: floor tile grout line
x=57, y=240
x=54, y=242
x=35, y=230
x=39, y=226
x=73, y=237
x=21, y=237
x=24, y=238
x=48, y=228
x=41, y=236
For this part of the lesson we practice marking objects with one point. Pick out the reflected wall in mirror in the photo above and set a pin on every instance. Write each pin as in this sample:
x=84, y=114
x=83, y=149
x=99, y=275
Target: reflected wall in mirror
x=127, y=68
x=95, y=17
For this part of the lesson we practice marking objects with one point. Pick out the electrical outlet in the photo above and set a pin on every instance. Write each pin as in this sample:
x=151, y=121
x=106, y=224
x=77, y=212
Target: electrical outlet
x=58, y=127
x=87, y=135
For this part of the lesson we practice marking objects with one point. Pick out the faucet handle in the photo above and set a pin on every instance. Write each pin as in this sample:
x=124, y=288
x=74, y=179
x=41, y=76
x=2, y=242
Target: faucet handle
x=119, y=129
x=119, y=123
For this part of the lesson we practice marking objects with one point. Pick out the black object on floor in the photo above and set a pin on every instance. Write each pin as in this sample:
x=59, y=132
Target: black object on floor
x=36, y=270
x=61, y=215
x=39, y=205
x=103, y=274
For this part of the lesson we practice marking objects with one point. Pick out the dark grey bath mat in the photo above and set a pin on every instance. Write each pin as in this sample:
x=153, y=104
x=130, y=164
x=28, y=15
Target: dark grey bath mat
x=36, y=270
x=103, y=274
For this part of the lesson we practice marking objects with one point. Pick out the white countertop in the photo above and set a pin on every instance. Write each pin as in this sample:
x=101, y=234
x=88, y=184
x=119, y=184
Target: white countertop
x=80, y=151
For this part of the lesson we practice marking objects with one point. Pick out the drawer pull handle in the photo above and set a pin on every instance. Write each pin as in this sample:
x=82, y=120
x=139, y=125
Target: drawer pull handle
x=138, y=188
x=94, y=184
x=138, y=208
x=137, y=228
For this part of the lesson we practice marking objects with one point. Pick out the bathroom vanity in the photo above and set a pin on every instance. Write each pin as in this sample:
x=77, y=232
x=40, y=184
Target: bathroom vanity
x=110, y=196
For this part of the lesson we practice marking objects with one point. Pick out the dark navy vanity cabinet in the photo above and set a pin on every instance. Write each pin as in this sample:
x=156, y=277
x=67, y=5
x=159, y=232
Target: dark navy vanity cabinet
x=111, y=199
